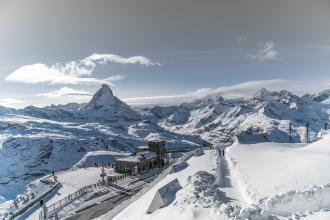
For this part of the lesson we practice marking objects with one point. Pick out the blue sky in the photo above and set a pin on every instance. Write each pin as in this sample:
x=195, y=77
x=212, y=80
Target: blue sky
x=152, y=51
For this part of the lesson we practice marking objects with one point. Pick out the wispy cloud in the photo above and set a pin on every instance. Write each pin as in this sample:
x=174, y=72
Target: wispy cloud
x=105, y=58
x=65, y=92
x=241, y=39
x=267, y=51
x=242, y=90
x=74, y=72
x=11, y=102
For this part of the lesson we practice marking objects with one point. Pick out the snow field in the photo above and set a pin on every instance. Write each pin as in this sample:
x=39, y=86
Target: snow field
x=283, y=178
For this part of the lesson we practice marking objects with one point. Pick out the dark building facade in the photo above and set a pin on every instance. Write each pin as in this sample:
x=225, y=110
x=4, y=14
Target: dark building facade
x=148, y=157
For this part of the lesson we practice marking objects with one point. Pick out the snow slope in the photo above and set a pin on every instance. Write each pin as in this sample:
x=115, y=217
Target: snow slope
x=284, y=178
x=176, y=210
x=199, y=197
x=264, y=181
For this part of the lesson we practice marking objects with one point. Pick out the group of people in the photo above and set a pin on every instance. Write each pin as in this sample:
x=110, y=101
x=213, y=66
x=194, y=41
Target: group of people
x=104, y=164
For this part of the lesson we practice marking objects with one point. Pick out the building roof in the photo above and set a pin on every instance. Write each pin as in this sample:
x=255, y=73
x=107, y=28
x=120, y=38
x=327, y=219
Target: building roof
x=148, y=155
x=143, y=147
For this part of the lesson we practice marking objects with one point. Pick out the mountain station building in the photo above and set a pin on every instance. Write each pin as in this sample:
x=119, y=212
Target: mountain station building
x=148, y=157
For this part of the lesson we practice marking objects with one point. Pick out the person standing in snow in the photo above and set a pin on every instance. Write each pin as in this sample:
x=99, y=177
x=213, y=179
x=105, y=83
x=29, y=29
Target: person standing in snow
x=16, y=203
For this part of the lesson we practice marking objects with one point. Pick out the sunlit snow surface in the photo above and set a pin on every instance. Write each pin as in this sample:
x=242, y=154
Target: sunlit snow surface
x=269, y=181
x=137, y=210
x=284, y=178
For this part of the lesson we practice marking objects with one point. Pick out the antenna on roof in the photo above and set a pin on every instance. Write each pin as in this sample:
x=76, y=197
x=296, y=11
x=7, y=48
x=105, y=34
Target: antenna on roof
x=307, y=132
x=326, y=125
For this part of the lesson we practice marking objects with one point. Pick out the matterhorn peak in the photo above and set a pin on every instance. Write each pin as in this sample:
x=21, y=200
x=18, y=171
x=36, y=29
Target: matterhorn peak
x=102, y=97
x=105, y=89
x=108, y=105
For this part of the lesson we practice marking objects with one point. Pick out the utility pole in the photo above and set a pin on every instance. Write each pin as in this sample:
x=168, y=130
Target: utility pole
x=290, y=132
x=307, y=132
x=317, y=129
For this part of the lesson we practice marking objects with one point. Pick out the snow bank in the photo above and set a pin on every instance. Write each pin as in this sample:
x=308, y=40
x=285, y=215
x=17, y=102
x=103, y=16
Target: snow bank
x=99, y=157
x=323, y=214
x=164, y=196
x=313, y=199
x=283, y=179
x=202, y=192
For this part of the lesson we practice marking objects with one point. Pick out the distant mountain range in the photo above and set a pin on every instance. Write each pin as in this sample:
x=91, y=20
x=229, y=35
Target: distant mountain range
x=264, y=117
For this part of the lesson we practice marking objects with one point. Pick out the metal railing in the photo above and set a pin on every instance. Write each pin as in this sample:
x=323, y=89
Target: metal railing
x=54, y=208
x=57, y=206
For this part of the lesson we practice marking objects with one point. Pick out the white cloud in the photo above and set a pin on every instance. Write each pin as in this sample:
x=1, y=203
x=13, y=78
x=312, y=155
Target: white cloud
x=11, y=102
x=65, y=92
x=74, y=72
x=266, y=51
x=105, y=58
x=41, y=73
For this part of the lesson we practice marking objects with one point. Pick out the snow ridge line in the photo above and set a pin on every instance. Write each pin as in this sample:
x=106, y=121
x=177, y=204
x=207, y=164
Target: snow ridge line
x=314, y=198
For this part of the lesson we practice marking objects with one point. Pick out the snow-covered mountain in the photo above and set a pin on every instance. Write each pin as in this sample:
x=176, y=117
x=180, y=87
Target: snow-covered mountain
x=264, y=117
x=35, y=141
x=323, y=96
x=104, y=106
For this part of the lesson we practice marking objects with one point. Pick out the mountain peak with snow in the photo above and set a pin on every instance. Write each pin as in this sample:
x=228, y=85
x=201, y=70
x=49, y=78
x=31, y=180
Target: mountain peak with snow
x=104, y=105
x=105, y=89
x=102, y=97
x=323, y=96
